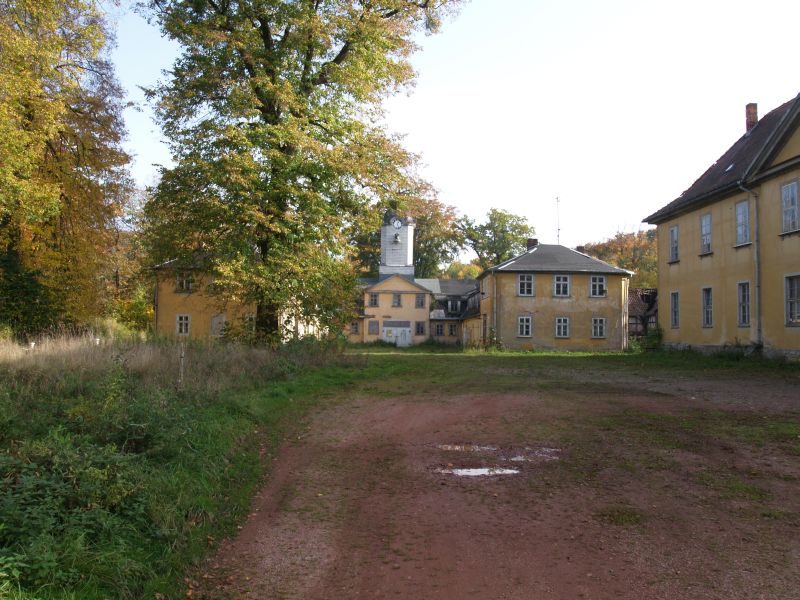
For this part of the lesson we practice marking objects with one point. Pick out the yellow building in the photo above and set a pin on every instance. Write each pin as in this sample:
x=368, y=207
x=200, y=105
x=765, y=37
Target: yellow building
x=552, y=297
x=403, y=310
x=729, y=246
x=185, y=307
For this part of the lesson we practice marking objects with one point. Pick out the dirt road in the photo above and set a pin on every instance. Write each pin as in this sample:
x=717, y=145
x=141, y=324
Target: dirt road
x=600, y=484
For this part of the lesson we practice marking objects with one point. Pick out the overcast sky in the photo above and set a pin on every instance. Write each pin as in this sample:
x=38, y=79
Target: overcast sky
x=614, y=107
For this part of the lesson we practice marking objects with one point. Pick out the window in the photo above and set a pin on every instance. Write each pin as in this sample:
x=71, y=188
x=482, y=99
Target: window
x=598, y=288
x=184, y=282
x=373, y=299
x=451, y=329
x=793, y=300
x=525, y=285
x=562, y=327
x=524, y=326
x=419, y=328
x=182, y=324
x=373, y=327
x=743, y=296
x=454, y=306
x=217, y=325
x=789, y=203
x=708, y=308
x=598, y=327
x=354, y=328
x=742, y=223
x=561, y=285
x=674, y=310
x=419, y=302
x=440, y=329
x=673, y=244
x=396, y=300
x=705, y=234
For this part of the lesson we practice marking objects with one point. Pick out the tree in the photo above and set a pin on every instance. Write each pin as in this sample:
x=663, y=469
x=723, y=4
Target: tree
x=274, y=113
x=632, y=251
x=63, y=173
x=459, y=270
x=44, y=48
x=503, y=236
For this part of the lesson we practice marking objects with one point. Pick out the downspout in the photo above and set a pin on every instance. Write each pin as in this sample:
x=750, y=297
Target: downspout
x=494, y=308
x=757, y=259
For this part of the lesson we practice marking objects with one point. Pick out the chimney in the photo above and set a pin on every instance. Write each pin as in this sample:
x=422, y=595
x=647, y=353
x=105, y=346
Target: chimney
x=532, y=243
x=751, y=112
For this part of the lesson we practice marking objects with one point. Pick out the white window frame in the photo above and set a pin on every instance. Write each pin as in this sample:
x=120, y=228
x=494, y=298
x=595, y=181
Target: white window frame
x=674, y=255
x=373, y=324
x=180, y=320
x=598, y=286
x=707, y=307
x=184, y=282
x=705, y=233
x=439, y=329
x=452, y=329
x=354, y=328
x=599, y=325
x=675, y=309
x=525, y=285
x=792, y=299
x=419, y=301
x=561, y=283
x=397, y=300
x=376, y=297
x=419, y=327
x=524, y=326
x=453, y=306
x=790, y=219
x=562, y=327
x=742, y=214
x=743, y=303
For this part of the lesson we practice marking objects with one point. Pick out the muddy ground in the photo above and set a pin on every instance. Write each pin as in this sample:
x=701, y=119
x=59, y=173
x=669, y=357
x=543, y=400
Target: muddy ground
x=627, y=482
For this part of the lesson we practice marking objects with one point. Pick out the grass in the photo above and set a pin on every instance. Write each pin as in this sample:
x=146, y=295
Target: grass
x=113, y=477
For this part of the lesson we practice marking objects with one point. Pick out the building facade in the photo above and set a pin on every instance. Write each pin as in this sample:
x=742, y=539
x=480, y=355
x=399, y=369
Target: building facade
x=729, y=246
x=555, y=298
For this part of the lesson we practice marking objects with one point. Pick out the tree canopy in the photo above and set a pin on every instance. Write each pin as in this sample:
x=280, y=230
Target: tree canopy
x=635, y=251
x=274, y=114
x=63, y=172
x=503, y=236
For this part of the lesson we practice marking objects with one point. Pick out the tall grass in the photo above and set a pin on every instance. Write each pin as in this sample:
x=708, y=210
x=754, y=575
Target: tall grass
x=112, y=473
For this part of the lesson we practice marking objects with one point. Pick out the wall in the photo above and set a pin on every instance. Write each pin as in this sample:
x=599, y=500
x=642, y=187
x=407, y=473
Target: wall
x=199, y=305
x=725, y=268
x=386, y=312
x=544, y=307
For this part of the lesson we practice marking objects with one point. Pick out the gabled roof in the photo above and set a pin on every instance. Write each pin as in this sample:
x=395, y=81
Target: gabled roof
x=552, y=258
x=741, y=164
x=439, y=287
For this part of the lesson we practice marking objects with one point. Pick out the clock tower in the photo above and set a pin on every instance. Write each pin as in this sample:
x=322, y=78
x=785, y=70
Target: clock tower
x=397, y=246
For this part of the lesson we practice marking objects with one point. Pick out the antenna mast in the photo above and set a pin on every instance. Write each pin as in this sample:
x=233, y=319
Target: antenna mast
x=558, y=221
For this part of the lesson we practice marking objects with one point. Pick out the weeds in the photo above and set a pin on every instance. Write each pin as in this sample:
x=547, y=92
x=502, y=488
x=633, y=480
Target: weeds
x=111, y=477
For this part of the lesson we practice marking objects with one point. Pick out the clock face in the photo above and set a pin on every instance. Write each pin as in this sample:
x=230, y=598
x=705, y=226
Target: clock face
x=396, y=223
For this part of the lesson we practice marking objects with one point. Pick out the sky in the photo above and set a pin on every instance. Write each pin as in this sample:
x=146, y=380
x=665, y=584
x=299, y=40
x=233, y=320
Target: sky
x=613, y=108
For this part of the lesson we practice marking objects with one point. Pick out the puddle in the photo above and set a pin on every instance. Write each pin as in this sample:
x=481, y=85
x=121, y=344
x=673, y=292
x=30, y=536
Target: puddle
x=481, y=472
x=466, y=448
x=534, y=454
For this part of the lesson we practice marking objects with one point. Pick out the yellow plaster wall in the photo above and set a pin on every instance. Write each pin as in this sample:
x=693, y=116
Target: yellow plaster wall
x=544, y=307
x=199, y=305
x=386, y=312
x=725, y=268
x=790, y=150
